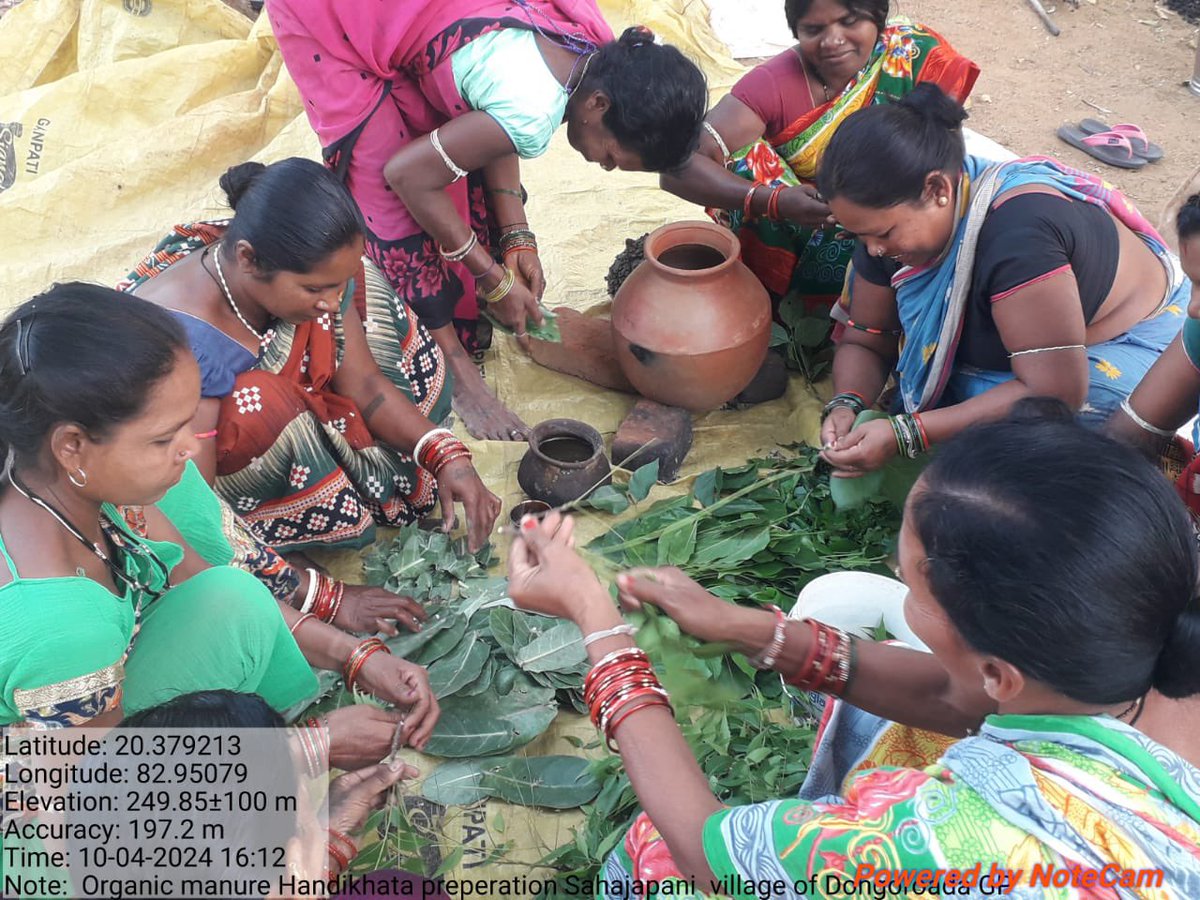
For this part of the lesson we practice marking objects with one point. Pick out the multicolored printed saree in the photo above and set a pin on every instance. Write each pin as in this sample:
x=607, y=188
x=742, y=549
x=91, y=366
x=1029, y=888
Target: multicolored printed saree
x=812, y=262
x=931, y=299
x=294, y=458
x=1037, y=803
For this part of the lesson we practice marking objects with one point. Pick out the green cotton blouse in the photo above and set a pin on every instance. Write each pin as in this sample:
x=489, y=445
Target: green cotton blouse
x=504, y=75
x=1191, y=340
x=63, y=640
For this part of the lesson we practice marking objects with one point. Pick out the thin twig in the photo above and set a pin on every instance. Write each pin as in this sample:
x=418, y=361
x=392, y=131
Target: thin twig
x=1097, y=107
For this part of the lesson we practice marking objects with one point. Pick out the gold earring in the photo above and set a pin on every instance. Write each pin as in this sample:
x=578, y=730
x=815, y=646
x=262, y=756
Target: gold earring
x=82, y=482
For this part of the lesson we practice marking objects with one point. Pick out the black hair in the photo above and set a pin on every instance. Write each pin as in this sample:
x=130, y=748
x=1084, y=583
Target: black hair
x=1064, y=553
x=1187, y=220
x=80, y=353
x=658, y=98
x=875, y=10
x=880, y=156
x=294, y=213
x=208, y=709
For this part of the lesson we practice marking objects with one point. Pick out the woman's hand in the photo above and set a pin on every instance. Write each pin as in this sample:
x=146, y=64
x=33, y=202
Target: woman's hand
x=697, y=611
x=406, y=685
x=516, y=309
x=355, y=795
x=865, y=449
x=802, y=206
x=361, y=735
x=367, y=610
x=458, y=482
x=836, y=426
x=546, y=575
x=527, y=266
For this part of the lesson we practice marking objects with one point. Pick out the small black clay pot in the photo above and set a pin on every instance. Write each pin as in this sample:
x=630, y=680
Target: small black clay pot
x=564, y=463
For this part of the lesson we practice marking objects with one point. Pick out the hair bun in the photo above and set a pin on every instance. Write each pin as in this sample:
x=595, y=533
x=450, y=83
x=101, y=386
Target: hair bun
x=930, y=102
x=237, y=180
x=635, y=36
x=1176, y=675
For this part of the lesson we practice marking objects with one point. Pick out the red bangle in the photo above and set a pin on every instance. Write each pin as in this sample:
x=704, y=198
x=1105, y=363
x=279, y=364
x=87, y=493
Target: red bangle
x=340, y=858
x=747, y=215
x=626, y=713
x=921, y=428
x=358, y=658
x=773, y=203
x=799, y=678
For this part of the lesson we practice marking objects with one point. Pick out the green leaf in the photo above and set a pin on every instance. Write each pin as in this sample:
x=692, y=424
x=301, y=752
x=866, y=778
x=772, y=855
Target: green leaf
x=812, y=331
x=459, y=667
x=445, y=641
x=779, y=335
x=486, y=679
x=406, y=644
x=456, y=783
x=707, y=486
x=732, y=548
x=642, y=480
x=891, y=482
x=451, y=862
x=489, y=724
x=792, y=310
x=560, y=647
x=608, y=499
x=677, y=544
x=555, y=782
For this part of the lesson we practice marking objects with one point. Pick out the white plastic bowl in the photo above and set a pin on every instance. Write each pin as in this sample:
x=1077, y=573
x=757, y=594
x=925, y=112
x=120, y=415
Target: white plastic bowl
x=856, y=602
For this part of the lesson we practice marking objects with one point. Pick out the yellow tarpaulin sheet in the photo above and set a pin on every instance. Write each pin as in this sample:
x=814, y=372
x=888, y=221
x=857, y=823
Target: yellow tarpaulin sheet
x=118, y=116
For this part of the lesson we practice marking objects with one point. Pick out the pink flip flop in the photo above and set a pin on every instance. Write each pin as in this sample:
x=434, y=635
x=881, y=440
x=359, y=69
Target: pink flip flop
x=1137, y=138
x=1109, y=147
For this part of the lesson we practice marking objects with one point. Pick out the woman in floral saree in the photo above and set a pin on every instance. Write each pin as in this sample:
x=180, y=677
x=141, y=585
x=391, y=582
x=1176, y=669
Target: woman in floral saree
x=1063, y=626
x=773, y=127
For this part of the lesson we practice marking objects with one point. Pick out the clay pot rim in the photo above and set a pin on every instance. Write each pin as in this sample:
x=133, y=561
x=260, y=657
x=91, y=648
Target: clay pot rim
x=723, y=241
x=552, y=428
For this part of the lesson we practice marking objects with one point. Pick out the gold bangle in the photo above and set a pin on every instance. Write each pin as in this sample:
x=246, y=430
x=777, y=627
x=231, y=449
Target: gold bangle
x=500, y=291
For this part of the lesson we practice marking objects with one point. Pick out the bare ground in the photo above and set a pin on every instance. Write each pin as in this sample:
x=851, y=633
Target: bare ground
x=1129, y=57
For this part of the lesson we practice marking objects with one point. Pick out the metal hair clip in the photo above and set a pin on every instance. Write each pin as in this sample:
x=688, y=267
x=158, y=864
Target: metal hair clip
x=23, y=333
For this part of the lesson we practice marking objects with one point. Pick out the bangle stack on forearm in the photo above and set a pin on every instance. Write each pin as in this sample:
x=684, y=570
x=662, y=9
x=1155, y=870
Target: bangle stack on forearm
x=438, y=448
x=850, y=400
x=911, y=439
x=619, y=685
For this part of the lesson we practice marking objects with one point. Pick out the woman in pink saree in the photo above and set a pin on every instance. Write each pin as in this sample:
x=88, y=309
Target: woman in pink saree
x=426, y=109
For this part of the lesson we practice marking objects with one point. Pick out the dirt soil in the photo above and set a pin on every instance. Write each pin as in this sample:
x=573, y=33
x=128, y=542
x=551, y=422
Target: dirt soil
x=1130, y=57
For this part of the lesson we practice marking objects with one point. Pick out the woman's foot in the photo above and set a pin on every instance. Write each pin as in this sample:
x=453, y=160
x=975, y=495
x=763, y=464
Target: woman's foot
x=482, y=413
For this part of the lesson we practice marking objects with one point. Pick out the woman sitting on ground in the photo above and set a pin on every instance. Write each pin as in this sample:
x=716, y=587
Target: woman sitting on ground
x=323, y=390
x=106, y=608
x=774, y=125
x=427, y=109
x=979, y=284
x=1166, y=399
x=1067, y=605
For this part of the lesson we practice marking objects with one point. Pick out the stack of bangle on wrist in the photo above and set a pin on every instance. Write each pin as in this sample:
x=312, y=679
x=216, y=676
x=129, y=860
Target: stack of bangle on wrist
x=829, y=666
x=619, y=685
x=438, y=448
x=314, y=741
x=342, y=851
x=850, y=400
x=328, y=596
x=358, y=658
x=462, y=252
x=911, y=439
x=503, y=289
x=521, y=239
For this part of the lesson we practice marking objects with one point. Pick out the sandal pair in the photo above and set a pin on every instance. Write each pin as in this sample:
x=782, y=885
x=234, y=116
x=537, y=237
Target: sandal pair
x=1125, y=146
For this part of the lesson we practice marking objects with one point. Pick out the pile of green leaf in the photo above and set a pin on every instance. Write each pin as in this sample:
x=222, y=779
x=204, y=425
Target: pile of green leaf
x=755, y=534
x=499, y=674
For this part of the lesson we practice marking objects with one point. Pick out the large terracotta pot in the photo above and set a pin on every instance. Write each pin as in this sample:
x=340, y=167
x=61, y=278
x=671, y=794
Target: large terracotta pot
x=565, y=462
x=691, y=324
